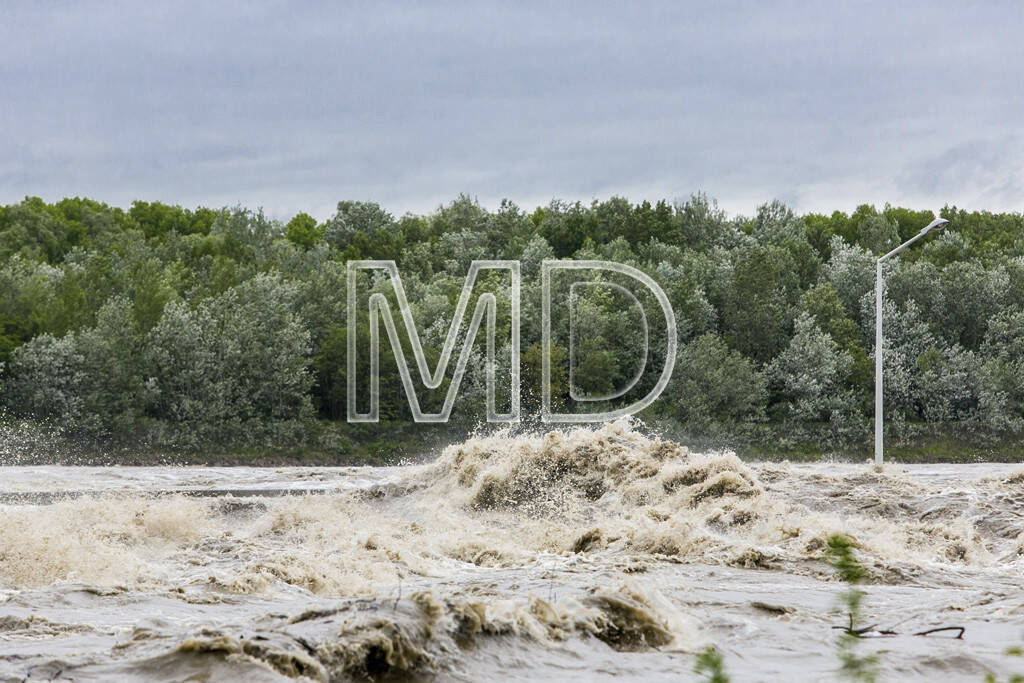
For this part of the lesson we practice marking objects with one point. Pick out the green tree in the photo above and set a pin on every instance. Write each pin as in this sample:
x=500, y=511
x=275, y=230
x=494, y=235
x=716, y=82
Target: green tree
x=1003, y=358
x=303, y=230
x=758, y=306
x=235, y=367
x=45, y=379
x=712, y=384
x=810, y=379
x=112, y=392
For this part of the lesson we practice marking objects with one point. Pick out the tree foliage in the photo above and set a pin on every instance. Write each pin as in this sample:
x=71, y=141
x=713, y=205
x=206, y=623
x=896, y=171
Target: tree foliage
x=197, y=323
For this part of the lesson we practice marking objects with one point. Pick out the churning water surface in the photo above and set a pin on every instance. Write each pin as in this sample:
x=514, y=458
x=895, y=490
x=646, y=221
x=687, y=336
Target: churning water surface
x=595, y=554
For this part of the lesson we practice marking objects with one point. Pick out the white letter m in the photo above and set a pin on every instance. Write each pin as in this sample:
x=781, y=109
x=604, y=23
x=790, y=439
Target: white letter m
x=380, y=307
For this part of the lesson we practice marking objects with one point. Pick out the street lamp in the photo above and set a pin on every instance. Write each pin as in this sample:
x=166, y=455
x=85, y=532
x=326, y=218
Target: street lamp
x=936, y=224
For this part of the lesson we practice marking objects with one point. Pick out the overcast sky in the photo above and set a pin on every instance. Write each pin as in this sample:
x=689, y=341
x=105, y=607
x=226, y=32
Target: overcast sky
x=296, y=107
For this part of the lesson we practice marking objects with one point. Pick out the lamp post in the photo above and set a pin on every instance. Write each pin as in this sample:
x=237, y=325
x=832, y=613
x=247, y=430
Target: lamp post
x=936, y=224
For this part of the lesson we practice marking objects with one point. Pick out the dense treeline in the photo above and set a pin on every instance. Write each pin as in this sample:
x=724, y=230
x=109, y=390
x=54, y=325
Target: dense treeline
x=181, y=327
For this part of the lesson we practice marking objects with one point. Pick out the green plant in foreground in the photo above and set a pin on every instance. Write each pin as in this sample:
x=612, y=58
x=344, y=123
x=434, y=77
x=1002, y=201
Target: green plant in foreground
x=840, y=555
x=710, y=664
x=1015, y=651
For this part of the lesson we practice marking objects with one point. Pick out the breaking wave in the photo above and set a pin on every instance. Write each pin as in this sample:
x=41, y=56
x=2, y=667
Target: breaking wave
x=614, y=488
x=502, y=501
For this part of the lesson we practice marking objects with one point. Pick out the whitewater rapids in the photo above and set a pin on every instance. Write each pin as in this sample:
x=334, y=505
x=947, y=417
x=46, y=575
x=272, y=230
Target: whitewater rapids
x=596, y=554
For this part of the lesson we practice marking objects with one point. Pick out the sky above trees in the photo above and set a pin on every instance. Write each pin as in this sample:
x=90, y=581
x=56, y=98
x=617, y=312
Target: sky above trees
x=291, y=107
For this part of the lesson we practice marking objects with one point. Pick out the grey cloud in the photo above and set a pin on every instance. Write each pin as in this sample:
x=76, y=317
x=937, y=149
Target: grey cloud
x=294, y=107
x=990, y=171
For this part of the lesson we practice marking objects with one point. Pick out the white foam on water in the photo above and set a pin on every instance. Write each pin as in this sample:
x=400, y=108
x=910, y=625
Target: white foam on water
x=595, y=549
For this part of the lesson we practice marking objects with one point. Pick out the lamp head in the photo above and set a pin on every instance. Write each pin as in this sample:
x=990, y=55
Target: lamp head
x=936, y=224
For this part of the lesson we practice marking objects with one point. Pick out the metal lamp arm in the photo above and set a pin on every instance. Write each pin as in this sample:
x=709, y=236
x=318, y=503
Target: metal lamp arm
x=902, y=246
x=938, y=223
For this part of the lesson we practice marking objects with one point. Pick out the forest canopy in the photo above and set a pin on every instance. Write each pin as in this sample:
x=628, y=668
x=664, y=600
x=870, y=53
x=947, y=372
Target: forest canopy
x=181, y=327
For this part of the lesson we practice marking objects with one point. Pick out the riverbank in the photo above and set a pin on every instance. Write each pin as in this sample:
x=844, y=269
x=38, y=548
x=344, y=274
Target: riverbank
x=334, y=444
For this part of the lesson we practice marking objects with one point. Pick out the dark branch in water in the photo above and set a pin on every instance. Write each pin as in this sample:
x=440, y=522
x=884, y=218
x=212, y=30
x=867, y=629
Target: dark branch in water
x=958, y=636
x=874, y=632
